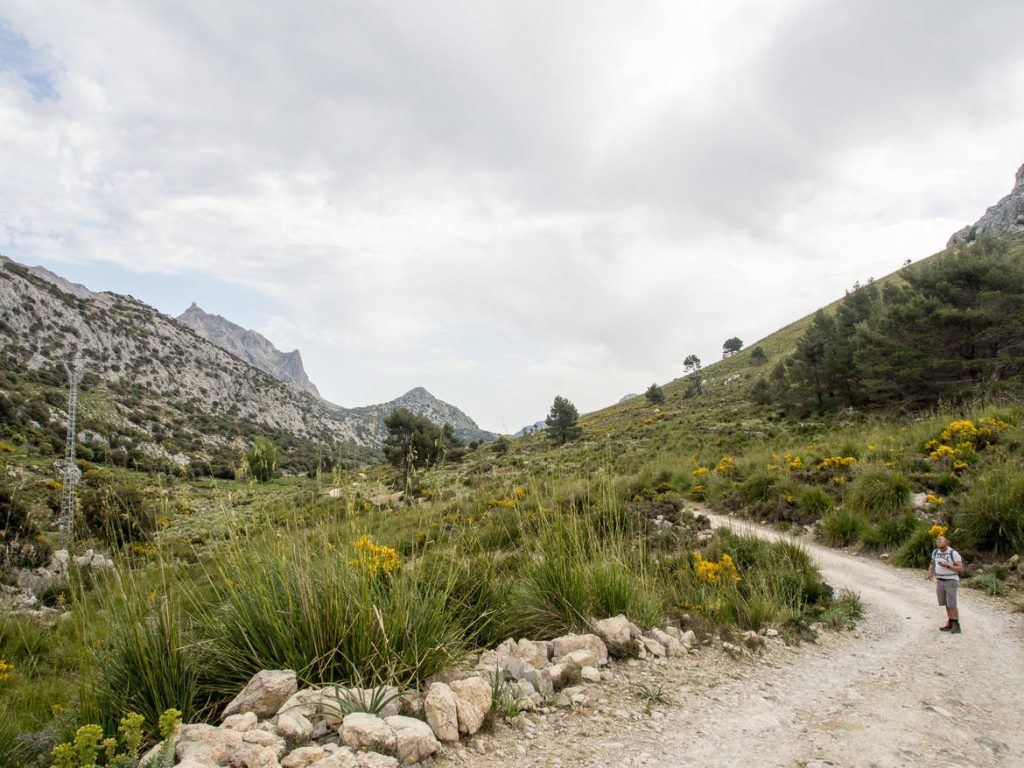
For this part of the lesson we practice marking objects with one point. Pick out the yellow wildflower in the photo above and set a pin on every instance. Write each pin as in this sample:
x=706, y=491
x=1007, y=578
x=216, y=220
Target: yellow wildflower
x=937, y=530
x=932, y=498
x=5, y=671
x=374, y=558
x=714, y=573
x=725, y=466
x=700, y=471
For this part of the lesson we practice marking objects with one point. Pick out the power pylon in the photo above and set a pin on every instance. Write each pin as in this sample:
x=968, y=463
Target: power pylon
x=70, y=474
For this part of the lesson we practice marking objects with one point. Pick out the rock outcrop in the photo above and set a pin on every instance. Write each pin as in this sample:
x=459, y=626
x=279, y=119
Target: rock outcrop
x=1004, y=218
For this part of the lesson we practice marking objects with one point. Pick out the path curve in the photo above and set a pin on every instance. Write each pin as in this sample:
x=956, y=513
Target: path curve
x=894, y=692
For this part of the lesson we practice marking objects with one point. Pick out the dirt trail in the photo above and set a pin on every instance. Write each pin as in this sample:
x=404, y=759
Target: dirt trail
x=896, y=692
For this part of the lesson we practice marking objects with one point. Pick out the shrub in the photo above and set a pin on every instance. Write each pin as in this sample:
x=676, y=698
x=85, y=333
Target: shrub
x=814, y=501
x=988, y=582
x=878, y=492
x=655, y=394
x=840, y=528
x=889, y=532
x=844, y=611
x=992, y=517
x=261, y=461
x=116, y=512
x=759, y=486
x=916, y=549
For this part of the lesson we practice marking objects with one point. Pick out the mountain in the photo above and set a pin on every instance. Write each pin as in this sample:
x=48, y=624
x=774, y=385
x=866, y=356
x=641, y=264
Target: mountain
x=1004, y=218
x=250, y=346
x=158, y=389
x=75, y=289
x=529, y=429
x=420, y=401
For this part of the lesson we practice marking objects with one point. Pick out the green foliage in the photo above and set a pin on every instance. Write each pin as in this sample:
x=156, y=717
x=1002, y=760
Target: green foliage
x=916, y=549
x=989, y=583
x=731, y=346
x=345, y=701
x=261, y=461
x=844, y=612
x=758, y=356
x=992, y=517
x=814, y=501
x=841, y=528
x=89, y=749
x=691, y=364
x=759, y=486
x=879, y=492
x=414, y=441
x=951, y=327
x=562, y=421
x=116, y=512
x=655, y=394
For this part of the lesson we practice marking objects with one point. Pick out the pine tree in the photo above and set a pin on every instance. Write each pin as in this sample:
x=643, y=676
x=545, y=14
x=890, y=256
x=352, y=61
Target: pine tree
x=731, y=346
x=655, y=394
x=562, y=421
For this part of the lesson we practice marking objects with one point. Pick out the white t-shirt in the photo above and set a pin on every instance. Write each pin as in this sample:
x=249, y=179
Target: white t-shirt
x=943, y=562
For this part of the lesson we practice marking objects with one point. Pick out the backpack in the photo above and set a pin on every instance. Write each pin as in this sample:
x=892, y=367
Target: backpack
x=953, y=555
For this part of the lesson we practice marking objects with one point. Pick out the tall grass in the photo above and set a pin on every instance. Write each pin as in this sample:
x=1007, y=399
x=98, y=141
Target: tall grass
x=878, y=492
x=992, y=517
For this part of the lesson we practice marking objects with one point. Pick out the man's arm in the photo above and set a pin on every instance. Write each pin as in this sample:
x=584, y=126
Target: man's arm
x=957, y=565
x=931, y=569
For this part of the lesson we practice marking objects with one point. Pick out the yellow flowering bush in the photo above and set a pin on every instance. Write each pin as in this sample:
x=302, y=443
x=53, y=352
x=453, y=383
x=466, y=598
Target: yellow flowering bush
x=5, y=671
x=374, y=558
x=715, y=573
x=934, y=499
x=976, y=434
x=837, y=463
x=700, y=471
x=725, y=466
x=793, y=462
x=697, y=492
x=937, y=530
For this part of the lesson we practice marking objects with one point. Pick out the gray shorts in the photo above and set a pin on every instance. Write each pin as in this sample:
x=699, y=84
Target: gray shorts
x=945, y=590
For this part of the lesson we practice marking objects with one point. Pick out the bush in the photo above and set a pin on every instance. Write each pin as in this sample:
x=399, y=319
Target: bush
x=916, y=549
x=760, y=486
x=890, y=532
x=992, y=516
x=878, y=492
x=115, y=512
x=261, y=461
x=814, y=501
x=840, y=528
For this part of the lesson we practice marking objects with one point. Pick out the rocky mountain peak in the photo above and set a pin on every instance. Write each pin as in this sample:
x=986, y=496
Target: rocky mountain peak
x=250, y=346
x=1004, y=218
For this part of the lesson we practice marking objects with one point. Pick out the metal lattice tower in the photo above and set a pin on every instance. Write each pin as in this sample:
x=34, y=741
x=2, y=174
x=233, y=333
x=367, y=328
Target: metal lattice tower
x=70, y=474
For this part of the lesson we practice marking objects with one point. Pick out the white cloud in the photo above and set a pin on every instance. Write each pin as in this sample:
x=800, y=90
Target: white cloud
x=502, y=201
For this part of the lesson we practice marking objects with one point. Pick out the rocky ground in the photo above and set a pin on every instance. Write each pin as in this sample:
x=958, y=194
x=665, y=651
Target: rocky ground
x=893, y=692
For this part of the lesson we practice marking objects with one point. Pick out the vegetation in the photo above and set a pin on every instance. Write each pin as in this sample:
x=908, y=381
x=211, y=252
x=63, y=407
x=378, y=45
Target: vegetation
x=562, y=422
x=261, y=461
x=655, y=394
x=731, y=346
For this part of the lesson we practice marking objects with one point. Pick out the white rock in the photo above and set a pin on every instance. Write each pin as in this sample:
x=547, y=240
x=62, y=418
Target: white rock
x=264, y=694
x=565, y=672
x=361, y=730
x=208, y=744
x=241, y=723
x=653, y=647
x=561, y=646
x=672, y=646
x=294, y=726
x=303, y=757
x=472, y=703
x=414, y=739
x=590, y=674
x=306, y=702
x=616, y=634
x=532, y=652
x=441, y=712
x=688, y=639
x=410, y=704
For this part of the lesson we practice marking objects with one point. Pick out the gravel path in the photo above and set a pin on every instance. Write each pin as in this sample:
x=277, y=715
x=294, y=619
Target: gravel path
x=895, y=692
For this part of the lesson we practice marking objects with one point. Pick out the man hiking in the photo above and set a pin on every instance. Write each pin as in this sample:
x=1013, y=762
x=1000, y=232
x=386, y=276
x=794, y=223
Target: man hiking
x=945, y=567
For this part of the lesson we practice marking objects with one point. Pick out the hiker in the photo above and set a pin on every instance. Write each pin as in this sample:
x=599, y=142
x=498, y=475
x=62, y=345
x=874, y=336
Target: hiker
x=945, y=567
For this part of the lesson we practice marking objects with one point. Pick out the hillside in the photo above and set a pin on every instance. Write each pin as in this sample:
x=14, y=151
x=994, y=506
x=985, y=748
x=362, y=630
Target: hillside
x=157, y=393
x=250, y=346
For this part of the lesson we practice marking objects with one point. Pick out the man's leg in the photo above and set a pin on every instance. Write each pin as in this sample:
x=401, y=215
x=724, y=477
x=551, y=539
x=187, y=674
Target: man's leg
x=951, y=608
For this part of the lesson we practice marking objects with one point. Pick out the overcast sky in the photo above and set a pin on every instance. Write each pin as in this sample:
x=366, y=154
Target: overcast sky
x=500, y=201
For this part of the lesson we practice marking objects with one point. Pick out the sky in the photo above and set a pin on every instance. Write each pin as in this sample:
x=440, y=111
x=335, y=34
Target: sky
x=500, y=201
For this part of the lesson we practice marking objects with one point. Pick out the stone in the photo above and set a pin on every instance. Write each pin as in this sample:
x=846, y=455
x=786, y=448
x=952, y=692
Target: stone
x=361, y=730
x=639, y=650
x=532, y=652
x=151, y=755
x=241, y=723
x=340, y=758
x=674, y=632
x=414, y=739
x=672, y=645
x=264, y=738
x=410, y=704
x=688, y=639
x=264, y=694
x=919, y=500
x=752, y=639
x=653, y=647
x=441, y=712
x=584, y=657
x=303, y=757
x=472, y=703
x=565, y=672
x=306, y=702
x=294, y=726
x=566, y=644
x=208, y=744
x=448, y=675
x=1014, y=563
x=254, y=756
x=616, y=634
x=590, y=674
x=771, y=632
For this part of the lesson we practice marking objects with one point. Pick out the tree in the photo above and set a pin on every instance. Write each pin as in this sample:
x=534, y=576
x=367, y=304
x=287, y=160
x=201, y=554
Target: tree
x=562, y=421
x=758, y=356
x=260, y=462
x=691, y=364
x=655, y=394
x=501, y=446
x=731, y=346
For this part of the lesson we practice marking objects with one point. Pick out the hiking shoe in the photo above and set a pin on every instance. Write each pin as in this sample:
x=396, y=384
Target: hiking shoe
x=947, y=628
x=955, y=629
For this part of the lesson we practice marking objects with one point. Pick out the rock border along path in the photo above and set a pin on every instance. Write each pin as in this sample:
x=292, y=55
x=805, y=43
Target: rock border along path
x=894, y=692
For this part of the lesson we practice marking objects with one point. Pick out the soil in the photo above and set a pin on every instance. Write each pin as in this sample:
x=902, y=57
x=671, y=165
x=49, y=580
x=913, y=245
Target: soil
x=893, y=692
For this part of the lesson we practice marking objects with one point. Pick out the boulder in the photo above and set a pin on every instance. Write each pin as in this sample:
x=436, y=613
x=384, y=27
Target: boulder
x=264, y=694
x=303, y=757
x=361, y=730
x=532, y=652
x=340, y=758
x=472, y=703
x=616, y=634
x=653, y=647
x=414, y=739
x=590, y=674
x=305, y=702
x=672, y=646
x=688, y=639
x=568, y=643
x=241, y=723
x=441, y=712
x=254, y=756
x=753, y=639
x=207, y=744
x=410, y=704
x=565, y=672
x=294, y=726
